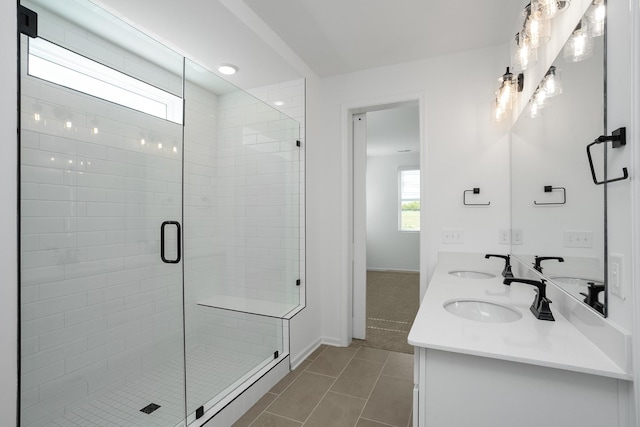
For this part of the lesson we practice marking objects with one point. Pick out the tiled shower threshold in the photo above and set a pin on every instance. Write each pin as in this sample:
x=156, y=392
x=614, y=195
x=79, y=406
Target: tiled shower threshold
x=212, y=373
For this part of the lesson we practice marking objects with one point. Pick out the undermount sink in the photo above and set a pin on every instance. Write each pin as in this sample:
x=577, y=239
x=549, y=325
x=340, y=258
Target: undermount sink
x=467, y=274
x=482, y=311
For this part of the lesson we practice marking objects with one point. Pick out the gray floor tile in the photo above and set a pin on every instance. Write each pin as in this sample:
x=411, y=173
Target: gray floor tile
x=301, y=397
x=390, y=402
x=255, y=410
x=332, y=361
x=271, y=420
x=372, y=354
x=358, y=378
x=399, y=365
x=288, y=379
x=336, y=410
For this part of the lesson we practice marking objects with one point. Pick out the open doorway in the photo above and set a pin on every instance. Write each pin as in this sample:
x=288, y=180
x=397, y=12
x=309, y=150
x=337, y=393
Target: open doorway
x=386, y=224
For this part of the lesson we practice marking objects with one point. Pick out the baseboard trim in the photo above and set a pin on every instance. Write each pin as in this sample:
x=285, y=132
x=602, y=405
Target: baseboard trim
x=393, y=270
x=295, y=362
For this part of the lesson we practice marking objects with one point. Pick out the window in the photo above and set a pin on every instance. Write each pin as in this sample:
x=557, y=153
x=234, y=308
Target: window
x=409, y=209
x=58, y=65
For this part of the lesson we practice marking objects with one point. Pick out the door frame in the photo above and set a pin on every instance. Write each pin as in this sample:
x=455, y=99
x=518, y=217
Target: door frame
x=354, y=253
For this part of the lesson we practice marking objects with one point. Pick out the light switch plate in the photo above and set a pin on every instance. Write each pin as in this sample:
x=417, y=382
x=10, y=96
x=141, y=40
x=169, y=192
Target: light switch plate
x=578, y=239
x=616, y=282
x=452, y=235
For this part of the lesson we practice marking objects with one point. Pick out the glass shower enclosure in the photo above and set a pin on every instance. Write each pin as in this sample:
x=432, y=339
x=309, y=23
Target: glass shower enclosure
x=159, y=228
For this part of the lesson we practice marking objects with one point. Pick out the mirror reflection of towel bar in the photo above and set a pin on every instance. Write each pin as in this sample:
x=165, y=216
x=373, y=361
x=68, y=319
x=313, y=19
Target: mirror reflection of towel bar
x=549, y=189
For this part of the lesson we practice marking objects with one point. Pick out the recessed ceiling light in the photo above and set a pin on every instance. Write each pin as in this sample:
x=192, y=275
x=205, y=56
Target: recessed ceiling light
x=228, y=69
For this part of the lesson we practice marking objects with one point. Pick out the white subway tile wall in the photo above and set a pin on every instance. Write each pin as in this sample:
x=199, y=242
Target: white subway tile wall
x=99, y=310
x=289, y=98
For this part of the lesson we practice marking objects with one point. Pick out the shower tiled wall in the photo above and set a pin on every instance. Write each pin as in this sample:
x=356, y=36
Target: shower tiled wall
x=290, y=98
x=258, y=193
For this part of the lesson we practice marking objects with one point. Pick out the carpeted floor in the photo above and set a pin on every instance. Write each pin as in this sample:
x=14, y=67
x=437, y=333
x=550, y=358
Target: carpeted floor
x=393, y=299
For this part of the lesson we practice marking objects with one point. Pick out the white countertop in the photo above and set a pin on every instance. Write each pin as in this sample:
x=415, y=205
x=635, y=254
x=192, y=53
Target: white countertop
x=556, y=344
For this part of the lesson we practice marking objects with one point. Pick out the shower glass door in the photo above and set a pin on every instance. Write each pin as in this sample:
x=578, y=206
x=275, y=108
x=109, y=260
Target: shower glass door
x=101, y=292
x=242, y=185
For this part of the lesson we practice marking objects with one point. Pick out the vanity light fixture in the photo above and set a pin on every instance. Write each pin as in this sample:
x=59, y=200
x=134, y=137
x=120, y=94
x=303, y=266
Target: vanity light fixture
x=228, y=69
x=596, y=15
x=579, y=46
x=523, y=54
x=551, y=83
x=549, y=87
x=510, y=85
x=550, y=8
x=537, y=102
x=535, y=27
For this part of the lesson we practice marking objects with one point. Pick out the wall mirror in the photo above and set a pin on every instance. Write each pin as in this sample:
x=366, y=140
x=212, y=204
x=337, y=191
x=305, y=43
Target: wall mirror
x=557, y=210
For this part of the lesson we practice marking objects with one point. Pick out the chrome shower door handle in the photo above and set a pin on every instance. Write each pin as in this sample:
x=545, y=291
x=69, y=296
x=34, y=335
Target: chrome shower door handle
x=178, y=242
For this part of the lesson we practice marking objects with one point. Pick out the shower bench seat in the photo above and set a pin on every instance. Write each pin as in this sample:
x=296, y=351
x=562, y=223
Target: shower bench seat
x=254, y=306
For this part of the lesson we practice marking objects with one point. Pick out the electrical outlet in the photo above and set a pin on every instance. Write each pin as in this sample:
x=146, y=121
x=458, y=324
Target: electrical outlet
x=452, y=235
x=516, y=237
x=504, y=237
x=616, y=283
x=578, y=239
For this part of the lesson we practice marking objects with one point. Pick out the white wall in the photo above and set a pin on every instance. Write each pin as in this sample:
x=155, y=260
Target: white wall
x=461, y=150
x=388, y=248
x=8, y=216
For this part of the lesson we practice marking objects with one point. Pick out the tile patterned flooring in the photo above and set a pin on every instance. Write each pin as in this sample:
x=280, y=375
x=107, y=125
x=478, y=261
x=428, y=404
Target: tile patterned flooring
x=337, y=386
x=164, y=386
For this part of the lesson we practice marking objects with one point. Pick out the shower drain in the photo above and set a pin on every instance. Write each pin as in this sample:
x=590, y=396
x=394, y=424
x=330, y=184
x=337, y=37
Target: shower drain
x=150, y=408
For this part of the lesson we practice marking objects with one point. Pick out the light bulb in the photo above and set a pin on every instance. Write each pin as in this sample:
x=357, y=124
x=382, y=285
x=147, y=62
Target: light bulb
x=68, y=124
x=523, y=55
x=142, y=141
x=159, y=145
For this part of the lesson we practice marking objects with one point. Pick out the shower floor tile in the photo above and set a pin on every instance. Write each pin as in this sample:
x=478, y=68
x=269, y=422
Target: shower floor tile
x=210, y=371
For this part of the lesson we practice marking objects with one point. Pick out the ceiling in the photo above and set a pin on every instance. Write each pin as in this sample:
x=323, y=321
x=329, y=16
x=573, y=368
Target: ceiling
x=277, y=40
x=338, y=36
x=392, y=131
